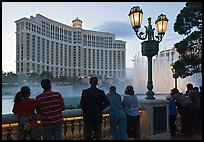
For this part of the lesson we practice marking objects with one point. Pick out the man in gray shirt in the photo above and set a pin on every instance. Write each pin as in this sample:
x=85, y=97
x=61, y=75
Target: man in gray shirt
x=117, y=115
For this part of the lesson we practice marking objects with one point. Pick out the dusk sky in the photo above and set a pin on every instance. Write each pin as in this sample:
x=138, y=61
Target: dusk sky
x=109, y=17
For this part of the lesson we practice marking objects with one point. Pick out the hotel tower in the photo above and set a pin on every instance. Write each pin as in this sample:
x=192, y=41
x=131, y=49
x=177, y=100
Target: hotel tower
x=43, y=44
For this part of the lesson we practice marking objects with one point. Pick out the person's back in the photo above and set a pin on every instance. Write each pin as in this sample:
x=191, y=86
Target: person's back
x=181, y=99
x=117, y=115
x=172, y=115
x=187, y=112
x=24, y=108
x=115, y=101
x=195, y=97
x=50, y=106
x=130, y=105
x=93, y=102
x=192, y=95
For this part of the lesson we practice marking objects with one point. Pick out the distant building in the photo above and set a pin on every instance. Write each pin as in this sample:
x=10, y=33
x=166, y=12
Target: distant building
x=162, y=75
x=43, y=44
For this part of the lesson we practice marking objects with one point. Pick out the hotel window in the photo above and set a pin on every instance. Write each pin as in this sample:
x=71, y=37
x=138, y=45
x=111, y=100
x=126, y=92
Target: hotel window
x=18, y=27
x=106, y=59
x=69, y=36
x=102, y=59
x=110, y=59
x=85, y=56
x=52, y=52
x=114, y=59
x=47, y=29
x=38, y=52
x=33, y=47
x=27, y=26
x=65, y=55
x=74, y=54
x=110, y=73
x=22, y=26
x=56, y=69
x=57, y=52
x=79, y=57
x=94, y=57
x=119, y=58
x=114, y=74
x=97, y=58
x=89, y=58
x=61, y=72
x=48, y=51
x=28, y=68
x=123, y=59
x=43, y=50
x=56, y=33
x=69, y=56
x=28, y=47
x=61, y=54
x=47, y=68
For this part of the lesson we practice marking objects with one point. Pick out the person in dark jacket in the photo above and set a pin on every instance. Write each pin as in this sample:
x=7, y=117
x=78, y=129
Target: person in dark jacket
x=93, y=102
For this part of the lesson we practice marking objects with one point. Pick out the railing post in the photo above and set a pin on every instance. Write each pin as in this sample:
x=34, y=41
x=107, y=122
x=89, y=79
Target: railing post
x=9, y=135
x=65, y=129
x=80, y=126
x=72, y=129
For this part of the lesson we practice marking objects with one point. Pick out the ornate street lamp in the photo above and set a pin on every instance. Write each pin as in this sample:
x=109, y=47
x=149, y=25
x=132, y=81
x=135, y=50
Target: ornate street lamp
x=151, y=46
x=175, y=75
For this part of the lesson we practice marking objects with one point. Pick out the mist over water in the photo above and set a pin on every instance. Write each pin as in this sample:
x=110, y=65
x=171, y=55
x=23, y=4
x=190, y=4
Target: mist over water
x=71, y=94
x=162, y=76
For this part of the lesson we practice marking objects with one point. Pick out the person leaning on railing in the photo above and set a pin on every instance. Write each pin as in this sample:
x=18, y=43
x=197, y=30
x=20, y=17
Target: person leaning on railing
x=93, y=102
x=50, y=105
x=187, y=112
x=24, y=108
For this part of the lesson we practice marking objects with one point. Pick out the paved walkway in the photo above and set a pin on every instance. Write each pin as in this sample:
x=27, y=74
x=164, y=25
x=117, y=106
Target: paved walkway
x=176, y=137
x=180, y=137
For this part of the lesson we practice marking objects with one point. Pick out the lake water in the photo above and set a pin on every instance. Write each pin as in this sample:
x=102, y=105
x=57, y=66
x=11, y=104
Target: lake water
x=71, y=96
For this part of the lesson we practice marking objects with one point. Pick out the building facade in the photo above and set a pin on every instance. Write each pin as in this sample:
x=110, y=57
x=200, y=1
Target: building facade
x=43, y=44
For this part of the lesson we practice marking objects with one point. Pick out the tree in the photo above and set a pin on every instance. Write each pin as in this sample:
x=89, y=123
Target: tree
x=34, y=77
x=189, y=23
x=11, y=78
x=46, y=75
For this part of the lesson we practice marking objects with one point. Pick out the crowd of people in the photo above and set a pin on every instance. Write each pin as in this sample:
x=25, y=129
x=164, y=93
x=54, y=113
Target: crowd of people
x=124, y=112
x=189, y=107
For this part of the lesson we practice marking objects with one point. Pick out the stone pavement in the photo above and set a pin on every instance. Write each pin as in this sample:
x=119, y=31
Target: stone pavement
x=180, y=137
x=176, y=137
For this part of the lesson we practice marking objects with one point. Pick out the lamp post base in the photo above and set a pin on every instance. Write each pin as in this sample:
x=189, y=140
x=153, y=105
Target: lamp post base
x=150, y=95
x=154, y=120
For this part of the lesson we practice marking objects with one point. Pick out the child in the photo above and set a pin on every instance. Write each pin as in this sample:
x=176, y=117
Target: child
x=172, y=115
x=24, y=109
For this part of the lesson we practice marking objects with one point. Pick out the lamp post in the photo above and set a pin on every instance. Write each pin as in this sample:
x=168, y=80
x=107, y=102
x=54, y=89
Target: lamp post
x=175, y=75
x=150, y=47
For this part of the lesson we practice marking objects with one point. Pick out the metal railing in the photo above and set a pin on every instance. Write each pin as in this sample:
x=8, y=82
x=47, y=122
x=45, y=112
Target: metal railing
x=72, y=128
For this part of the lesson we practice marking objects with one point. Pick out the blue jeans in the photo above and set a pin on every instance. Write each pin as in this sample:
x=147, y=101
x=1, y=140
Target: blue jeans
x=52, y=131
x=118, y=124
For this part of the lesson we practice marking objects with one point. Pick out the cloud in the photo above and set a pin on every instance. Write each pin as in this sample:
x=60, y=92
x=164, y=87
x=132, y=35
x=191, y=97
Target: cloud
x=120, y=29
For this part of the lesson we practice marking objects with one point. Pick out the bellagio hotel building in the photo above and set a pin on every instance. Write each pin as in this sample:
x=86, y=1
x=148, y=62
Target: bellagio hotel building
x=43, y=44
